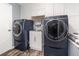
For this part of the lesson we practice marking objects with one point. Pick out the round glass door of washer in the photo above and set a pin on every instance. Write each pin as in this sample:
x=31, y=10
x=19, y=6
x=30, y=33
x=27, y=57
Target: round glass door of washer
x=17, y=29
x=56, y=30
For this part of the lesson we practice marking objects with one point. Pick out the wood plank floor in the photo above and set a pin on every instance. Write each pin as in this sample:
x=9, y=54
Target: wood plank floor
x=16, y=52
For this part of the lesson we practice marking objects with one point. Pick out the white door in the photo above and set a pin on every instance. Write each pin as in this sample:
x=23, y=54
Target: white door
x=5, y=27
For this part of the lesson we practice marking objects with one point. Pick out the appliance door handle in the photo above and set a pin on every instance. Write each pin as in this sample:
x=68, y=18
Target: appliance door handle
x=76, y=33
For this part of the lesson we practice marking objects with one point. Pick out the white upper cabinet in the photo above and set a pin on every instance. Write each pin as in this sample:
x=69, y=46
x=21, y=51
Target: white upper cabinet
x=37, y=9
x=59, y=9
x=48, y=9
x=72, y=9
x=54, y=9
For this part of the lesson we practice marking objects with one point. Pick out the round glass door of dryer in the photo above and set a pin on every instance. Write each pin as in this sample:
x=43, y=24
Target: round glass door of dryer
x=56, y=30
x=17, y=29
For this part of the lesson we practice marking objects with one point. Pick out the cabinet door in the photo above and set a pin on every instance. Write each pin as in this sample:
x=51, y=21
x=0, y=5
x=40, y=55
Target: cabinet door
x=48, y=9
x=59, y=9
x=73, y=50
x=38, y=40
x=32, y=40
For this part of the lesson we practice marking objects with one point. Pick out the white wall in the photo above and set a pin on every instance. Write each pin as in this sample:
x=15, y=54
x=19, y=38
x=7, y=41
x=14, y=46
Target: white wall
x=72, y=10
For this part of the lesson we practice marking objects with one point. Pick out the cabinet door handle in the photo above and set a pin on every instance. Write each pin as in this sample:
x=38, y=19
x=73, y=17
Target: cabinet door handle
x=9, y=29
x=34, y=38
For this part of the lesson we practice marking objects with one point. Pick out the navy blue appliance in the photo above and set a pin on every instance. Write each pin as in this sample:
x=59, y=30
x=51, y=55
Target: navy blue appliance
x=56, y=35
x=21, y=33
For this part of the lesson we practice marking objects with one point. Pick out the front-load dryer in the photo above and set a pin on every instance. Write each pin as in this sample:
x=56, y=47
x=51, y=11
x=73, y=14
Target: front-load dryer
x=21, y=29
x=56, y=35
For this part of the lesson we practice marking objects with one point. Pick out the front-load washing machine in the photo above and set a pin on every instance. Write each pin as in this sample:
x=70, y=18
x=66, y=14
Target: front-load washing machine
x=21, y=29
x=56, y=35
